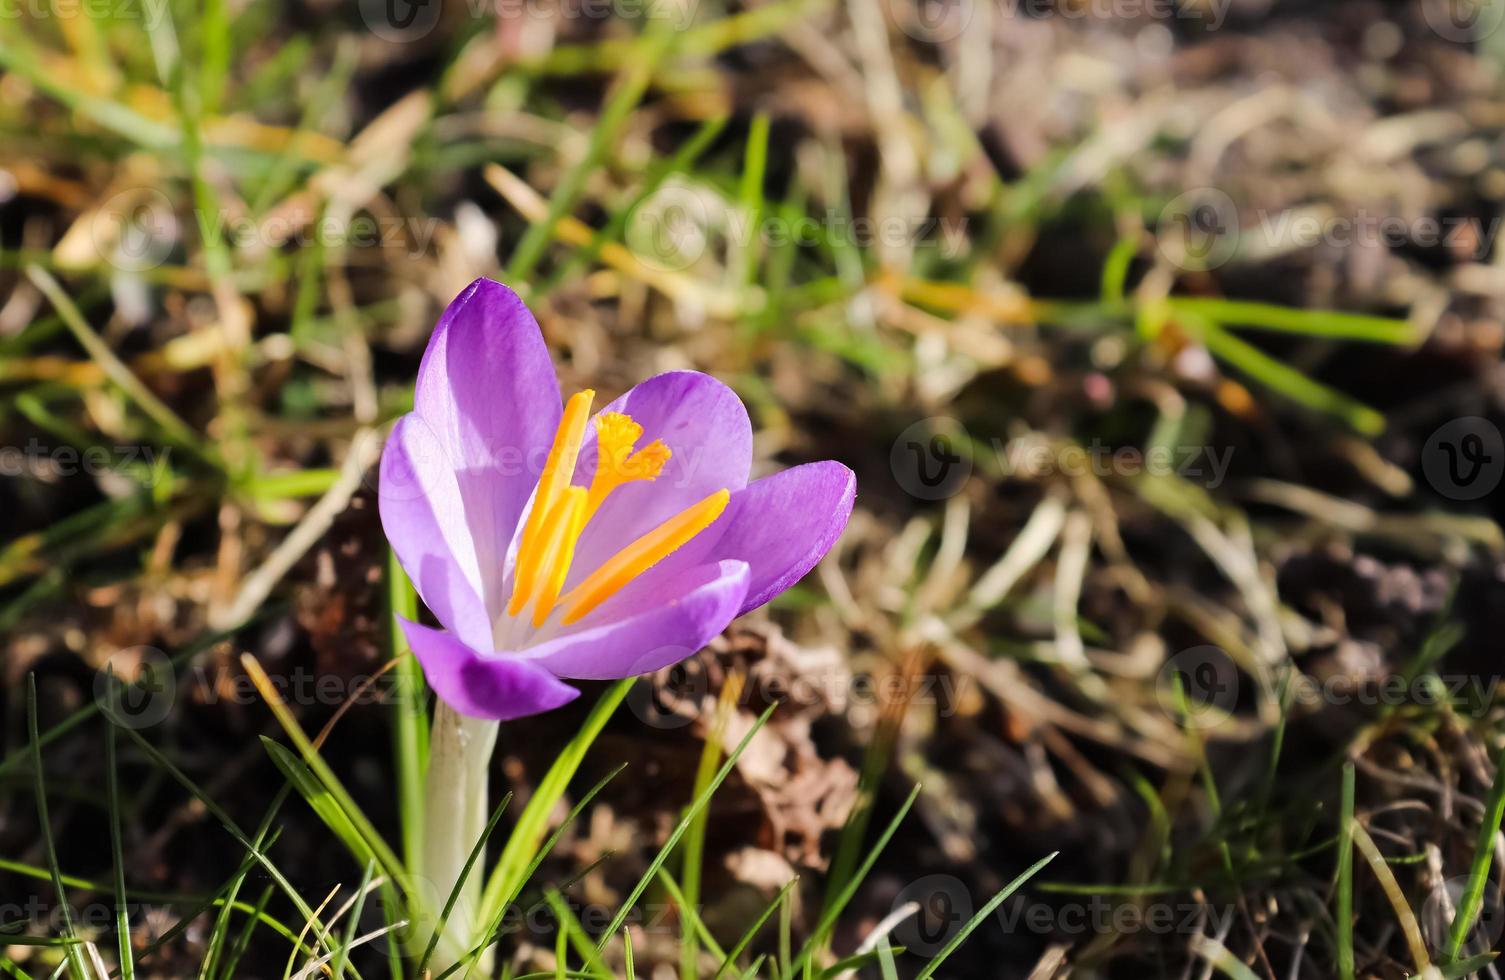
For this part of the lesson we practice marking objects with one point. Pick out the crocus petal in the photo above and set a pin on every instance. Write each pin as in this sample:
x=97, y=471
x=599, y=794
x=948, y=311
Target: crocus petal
x=484, y=685
x=703, y=423
x=424, y=517
x=638, y=630
x=487, y=389
x=783, y=525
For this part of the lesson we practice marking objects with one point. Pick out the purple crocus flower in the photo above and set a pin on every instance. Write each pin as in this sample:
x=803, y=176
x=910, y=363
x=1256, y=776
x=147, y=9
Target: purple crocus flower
x=554, y=545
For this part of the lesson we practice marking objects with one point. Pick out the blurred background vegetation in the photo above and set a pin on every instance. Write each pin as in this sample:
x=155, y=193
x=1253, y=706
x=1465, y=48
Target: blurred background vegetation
x=1164, y=338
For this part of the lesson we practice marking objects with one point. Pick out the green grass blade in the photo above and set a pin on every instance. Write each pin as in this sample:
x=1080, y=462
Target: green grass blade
x=684, y=823
x=411, y=724
x=1478, y=871
x=1344, y=914
x=569, y=926
x=619, y=106
x=352, y=926
x=76, y=965
x=512, y=867
x=779, y=901
x=1286, y=380
x=117, y=856
x=835, y=906
x=540, y=853
x=982, y=913
x=372, y=840
x=1329, y=324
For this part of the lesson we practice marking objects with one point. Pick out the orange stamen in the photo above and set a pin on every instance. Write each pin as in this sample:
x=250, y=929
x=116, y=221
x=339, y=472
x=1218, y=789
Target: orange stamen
x=561, y=531
x=558, y=471
x=641, y=555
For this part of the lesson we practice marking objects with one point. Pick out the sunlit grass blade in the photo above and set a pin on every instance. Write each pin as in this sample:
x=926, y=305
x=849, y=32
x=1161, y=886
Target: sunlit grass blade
x=411, y=722
x=1286, y=380
x=833, y=907
x=780, y=900
x=700, y=802
x=693, y=850
x=494, y=924
x=1478, y=870
x=982, y=914
x=352, y=926
x=693, y=925
x=513, y=867
x=623, y=99
x=225, y=820
x=320, y=769
x=1330, y=324
x=569, y=926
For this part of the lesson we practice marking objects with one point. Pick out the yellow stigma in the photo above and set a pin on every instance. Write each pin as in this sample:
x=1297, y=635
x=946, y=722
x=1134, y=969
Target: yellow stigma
x=558, y=471
x=616, y=463
x=641, y=555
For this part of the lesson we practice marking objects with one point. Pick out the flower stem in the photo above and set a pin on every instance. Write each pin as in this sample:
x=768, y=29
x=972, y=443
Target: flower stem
x=456, y=788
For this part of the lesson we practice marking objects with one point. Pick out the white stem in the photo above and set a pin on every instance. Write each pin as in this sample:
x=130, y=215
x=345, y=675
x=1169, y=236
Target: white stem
x=459, y=756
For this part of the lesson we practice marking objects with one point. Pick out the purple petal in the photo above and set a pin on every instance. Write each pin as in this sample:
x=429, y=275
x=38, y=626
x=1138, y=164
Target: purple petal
x=638, y=631
x=424, y=517
x=487, y=389
x=783, y=525
x=484, y=685
x=703, y=423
